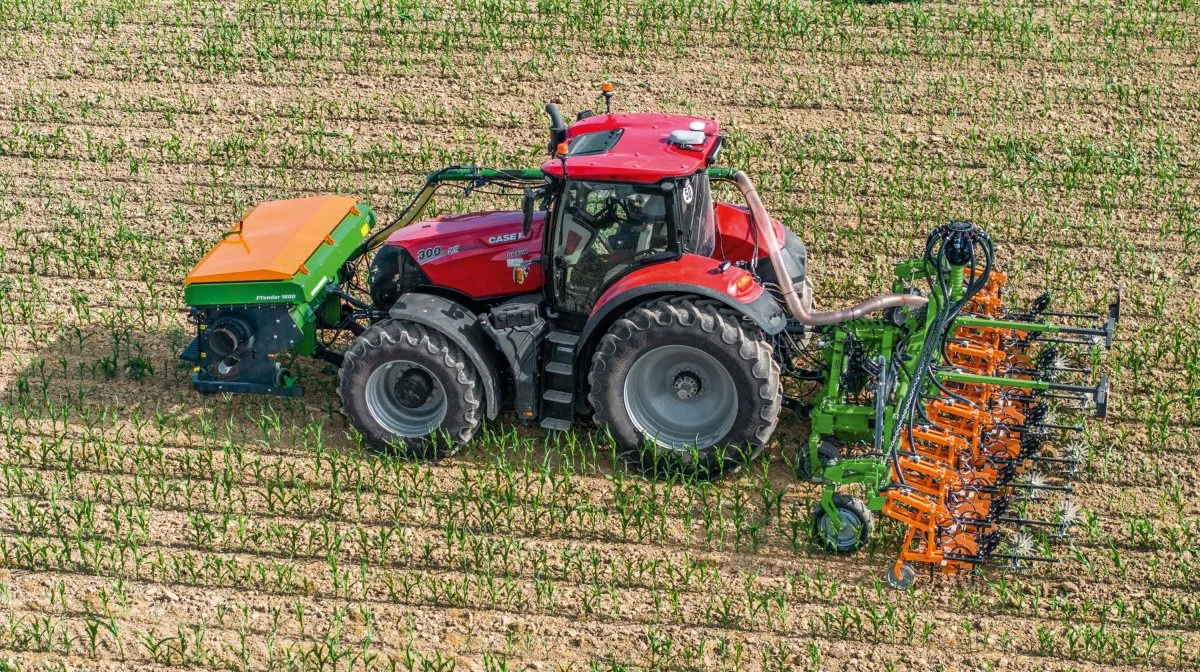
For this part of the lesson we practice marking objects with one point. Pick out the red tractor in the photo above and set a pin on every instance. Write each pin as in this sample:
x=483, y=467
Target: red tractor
x=620, y=289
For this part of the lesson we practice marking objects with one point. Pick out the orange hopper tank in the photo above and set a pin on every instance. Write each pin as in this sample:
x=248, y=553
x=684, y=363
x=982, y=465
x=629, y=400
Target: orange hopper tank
x=272, y=241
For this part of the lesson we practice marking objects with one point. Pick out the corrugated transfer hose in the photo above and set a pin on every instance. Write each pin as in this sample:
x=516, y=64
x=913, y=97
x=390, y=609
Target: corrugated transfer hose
x=766, y=234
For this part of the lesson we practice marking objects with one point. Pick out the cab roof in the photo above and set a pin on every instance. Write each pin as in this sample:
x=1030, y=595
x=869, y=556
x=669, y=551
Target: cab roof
x=634, y=147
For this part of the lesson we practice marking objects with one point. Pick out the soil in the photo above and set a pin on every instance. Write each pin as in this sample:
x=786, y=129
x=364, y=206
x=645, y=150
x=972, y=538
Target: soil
x=146, y=527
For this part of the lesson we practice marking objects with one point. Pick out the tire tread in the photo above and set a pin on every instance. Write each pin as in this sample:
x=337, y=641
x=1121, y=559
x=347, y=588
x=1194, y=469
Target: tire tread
x=371, y=345
x=711, y=317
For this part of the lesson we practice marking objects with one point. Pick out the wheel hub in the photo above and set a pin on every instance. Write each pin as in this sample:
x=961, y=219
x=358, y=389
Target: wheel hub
x=687, y=385
x=406, y=398
x=846, y=537
x=413, y=388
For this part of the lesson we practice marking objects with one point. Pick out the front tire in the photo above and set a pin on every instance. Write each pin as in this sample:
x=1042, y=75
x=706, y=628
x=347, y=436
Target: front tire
x=406, y=387
x=685, y=388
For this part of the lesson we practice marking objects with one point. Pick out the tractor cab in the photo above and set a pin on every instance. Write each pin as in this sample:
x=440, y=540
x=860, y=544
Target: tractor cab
x=626, y=190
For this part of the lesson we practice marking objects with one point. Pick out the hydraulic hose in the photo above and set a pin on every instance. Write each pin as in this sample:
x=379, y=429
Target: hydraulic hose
x=762, y=222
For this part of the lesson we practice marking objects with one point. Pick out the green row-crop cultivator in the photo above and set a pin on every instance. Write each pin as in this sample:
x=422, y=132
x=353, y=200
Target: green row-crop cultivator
x=947, y=416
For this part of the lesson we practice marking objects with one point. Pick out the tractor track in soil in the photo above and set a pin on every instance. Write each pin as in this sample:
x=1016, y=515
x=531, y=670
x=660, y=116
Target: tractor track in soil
x=774, y=557
x=188, y=181
x=316, y=493
x=869, y=43
x=389, y=606
x=179, y=459
x=288, y=484
x=714, y=557
x=740, y=110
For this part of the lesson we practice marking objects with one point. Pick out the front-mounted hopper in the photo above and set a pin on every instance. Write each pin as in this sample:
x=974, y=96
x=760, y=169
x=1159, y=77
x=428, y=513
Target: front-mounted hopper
x=267, y=287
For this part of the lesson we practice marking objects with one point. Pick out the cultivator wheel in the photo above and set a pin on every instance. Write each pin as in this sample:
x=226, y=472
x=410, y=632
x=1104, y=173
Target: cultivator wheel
x=972, y=413
x=901, y=576
x=853, y=527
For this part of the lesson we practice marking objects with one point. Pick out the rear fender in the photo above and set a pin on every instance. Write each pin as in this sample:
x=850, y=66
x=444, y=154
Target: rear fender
x=462, y=327
x=691, y=275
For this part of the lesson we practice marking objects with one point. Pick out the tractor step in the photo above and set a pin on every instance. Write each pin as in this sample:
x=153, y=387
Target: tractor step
x=557, y=425
x=563, y=338
x=558, y=410
x=558, y=382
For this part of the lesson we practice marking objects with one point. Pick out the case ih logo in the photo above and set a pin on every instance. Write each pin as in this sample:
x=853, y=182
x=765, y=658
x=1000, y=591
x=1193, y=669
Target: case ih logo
x=504, y=238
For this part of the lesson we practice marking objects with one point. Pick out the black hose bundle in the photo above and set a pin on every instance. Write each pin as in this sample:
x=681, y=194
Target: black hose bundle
x=950, y=245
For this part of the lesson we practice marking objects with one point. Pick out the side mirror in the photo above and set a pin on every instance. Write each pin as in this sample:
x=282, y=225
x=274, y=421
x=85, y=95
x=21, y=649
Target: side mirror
x=527, y=213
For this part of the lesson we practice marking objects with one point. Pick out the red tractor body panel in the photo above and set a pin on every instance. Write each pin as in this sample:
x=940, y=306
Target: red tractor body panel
x=643, y=152
x=690, y=270
x=480, y=254
x=735, y=233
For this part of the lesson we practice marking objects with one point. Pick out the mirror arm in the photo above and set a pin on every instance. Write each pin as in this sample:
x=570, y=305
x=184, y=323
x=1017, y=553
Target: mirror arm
x=527, y=213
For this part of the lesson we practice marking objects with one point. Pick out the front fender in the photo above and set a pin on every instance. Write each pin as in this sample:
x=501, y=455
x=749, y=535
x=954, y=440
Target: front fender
x=462, y=327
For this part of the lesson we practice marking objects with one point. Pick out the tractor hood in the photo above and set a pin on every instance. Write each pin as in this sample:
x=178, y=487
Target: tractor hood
x=480, y=254
x=471, y=228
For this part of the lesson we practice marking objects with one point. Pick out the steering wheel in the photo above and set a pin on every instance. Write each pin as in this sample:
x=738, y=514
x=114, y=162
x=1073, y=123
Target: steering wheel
x=601, y=220
x=606, y=213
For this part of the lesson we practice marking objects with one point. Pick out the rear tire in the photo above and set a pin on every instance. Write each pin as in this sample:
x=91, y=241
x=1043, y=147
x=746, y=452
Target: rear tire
x=406, y=387
x=685, y=388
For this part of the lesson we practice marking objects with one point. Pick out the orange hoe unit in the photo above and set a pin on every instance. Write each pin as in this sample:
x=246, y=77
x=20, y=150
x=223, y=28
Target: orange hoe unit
x=950, y=431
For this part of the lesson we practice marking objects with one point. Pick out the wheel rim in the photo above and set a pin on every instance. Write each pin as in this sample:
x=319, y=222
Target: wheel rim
x=680, y=397
x=903, y=578
x=406, y=398
x=846, y=538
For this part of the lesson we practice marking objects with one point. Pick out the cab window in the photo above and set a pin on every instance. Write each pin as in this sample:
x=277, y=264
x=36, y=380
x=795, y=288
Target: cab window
x=605, y=229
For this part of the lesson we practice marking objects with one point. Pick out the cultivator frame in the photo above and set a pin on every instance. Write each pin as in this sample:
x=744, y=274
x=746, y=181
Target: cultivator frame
x=957, y=417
